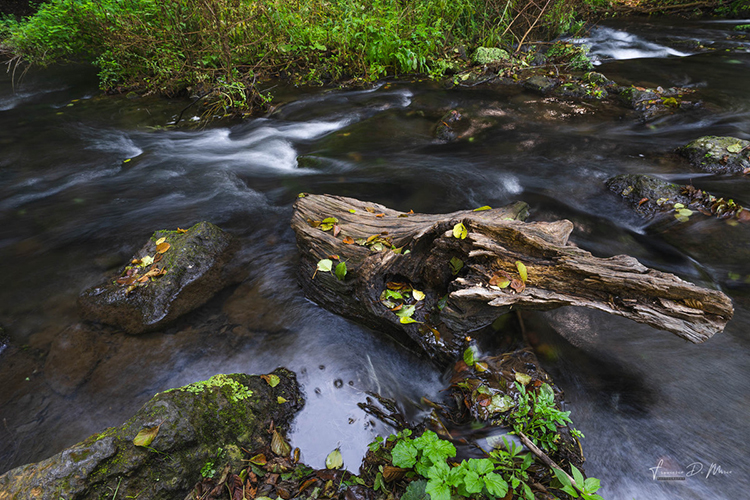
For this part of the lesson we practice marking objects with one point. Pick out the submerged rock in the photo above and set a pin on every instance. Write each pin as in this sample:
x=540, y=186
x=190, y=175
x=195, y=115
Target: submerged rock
x=725, y=155
x=191, y=426
x=449, y=127
x=174, y=273
x=541, y=84
x=654, y=103
x=73, y=356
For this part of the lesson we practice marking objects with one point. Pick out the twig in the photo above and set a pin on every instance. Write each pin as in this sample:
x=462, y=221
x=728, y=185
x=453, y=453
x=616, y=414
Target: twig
x=545, y=458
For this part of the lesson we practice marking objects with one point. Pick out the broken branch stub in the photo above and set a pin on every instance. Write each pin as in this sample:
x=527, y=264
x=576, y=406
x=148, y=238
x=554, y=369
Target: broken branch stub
x=473, y=273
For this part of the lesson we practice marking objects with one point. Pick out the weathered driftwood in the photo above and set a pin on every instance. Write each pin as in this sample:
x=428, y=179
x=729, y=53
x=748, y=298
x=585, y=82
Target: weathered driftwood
x=559, y=273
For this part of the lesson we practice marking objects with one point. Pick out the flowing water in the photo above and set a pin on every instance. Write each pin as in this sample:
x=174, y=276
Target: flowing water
x=87, y=178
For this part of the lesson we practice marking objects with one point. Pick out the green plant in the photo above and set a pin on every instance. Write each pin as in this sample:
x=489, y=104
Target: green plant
x=537, y=417
x=574, y=56
x=210, y=467
x=586, y=488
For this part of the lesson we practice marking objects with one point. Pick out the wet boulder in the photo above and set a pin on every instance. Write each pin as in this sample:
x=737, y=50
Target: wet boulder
x=724, y=155
x=172, y=274
x=541, y=84
x=180, y=431
x=647, y=195
x=653, y=103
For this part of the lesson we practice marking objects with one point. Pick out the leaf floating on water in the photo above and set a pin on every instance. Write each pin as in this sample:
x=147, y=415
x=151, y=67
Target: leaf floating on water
x=522, y=271
x=417, y=295
x=522, y=378
x=459, y=231
x=334, y=460
x=146, y=436
x=162, y=247
x=160, y=241
x=325, y=265
x=734, y=148
x=341, y=271
x=481, y=209
x=271, y=379
x=279, y=445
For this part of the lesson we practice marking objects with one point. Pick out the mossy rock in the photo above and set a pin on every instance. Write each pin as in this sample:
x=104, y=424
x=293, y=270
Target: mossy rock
x=194, y=421
x=725, y=155
x=541, y=84
x=647, y=195
x=489, y=55
x=194, y=270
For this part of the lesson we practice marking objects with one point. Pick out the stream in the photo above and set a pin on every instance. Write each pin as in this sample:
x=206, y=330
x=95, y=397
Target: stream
x=86, y=178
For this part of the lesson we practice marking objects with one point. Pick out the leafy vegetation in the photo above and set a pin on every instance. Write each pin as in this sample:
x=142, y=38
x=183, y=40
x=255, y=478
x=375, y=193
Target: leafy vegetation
x=221, y=48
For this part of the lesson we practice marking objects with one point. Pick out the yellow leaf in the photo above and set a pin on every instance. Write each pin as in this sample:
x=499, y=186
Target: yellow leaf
x=459, y=231
x=146, y=436
x=280, y=400
x=271, y=379
x=163, y=247
x=279, y=446
x=522, y=271
x=160, y=241
x=417, y=295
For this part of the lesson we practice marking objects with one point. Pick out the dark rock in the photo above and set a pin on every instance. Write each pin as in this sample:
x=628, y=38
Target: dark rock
x=73, y=356
x=446, y=128
x=4, y=339
x=725, y=155
x=578, y=90
x=655, y=103
x=194, y=269
x=657, y=193
x=541, y=84
x=226, y=411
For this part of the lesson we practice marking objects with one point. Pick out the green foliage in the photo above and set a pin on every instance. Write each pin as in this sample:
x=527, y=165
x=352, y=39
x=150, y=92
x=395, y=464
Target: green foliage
x=538, y=418
x=219, y=48
x=587, y=487
x=575, y=56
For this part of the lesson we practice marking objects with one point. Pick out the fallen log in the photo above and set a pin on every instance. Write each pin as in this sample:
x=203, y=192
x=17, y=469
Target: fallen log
x=456, y=273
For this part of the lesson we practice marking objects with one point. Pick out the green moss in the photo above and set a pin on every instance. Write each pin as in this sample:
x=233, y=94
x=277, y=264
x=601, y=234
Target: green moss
x=234, y=390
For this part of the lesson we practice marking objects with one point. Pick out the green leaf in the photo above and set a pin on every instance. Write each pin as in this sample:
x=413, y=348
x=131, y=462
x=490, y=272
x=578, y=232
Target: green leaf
x=480, y=209
x=404, y=454
x=500, y=403
x=341, y=271
x=391, y=294
x=495, y=484
x=416, y=491
x=272, y=380
x=472, y=482
x=405, y=312
x=469, y=356
x=440, y=450
x=591, y=485
x=460, y=231
x=146, y=436
x=561, y=476
x=522, y=271
x=456, y=264
x=481, y=465
x=685, y=212
x=334, y=460
x=570, y=491
x=405, y=320
x=527, y=492
x=678, y=206
x=438, y=490
x=734, y=148
x=577, y=476
x=325, y=265
x=439, y=471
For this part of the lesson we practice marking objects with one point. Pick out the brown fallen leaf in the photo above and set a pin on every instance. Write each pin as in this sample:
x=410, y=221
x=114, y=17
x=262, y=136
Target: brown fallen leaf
x=162, y=247
x=379, y=215
x=336, y=230
x=517, y=285
x=370, y=209
x=181, y=230
x=643, y=200
x=348, y=240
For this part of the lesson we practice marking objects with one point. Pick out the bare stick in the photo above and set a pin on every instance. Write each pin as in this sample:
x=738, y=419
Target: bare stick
x=544, y=458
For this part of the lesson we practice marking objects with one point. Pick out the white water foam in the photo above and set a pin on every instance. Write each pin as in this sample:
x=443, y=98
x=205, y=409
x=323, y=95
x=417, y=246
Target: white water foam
x=608, y=43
